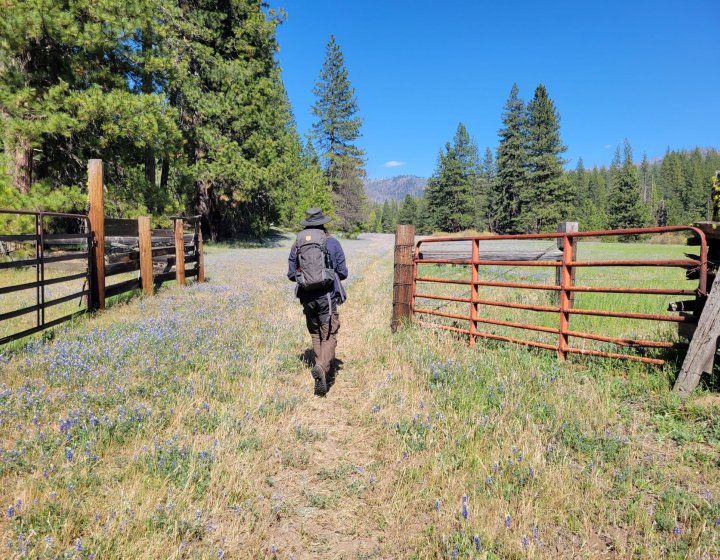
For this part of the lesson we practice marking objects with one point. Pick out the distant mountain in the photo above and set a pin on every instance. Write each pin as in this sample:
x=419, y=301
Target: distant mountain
x=394, y=188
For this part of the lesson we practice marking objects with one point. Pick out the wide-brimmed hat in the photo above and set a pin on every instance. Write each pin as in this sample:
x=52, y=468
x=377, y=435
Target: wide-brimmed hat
x=315, y=217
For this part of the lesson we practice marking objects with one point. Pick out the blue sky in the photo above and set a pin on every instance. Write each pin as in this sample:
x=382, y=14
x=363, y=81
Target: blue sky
x=648, y=71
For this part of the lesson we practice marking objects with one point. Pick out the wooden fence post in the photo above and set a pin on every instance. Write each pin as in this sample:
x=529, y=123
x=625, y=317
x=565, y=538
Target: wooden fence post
x=403, y=275
x=704, y=344
x=200, y=257
x=179, y=252
x=146, y=260
x=96, y=216
x=562, y=228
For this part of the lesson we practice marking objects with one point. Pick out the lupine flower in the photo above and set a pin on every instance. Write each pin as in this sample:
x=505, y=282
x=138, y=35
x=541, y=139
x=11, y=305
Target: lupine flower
x=677, y=531
x=69, y=454
x=465, y=508
x=437, y=507
x=78, y=545
x=10, y=512
x=455, y=552
x=476, y=542
x=508, y=521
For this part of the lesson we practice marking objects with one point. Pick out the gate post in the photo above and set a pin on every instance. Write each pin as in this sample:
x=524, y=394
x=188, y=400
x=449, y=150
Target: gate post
x=179, y=252
x=146, y=260
x=200, y=263
x=96, y=216
x=403, y=279
x=564, y=227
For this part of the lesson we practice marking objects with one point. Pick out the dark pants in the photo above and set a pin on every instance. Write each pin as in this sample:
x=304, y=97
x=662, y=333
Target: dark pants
x=323, y=324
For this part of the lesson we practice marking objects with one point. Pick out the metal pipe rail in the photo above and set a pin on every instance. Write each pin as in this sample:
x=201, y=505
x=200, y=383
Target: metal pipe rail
x=567, y=287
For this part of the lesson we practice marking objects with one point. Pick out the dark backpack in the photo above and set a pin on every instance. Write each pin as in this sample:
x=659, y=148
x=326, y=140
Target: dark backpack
x=314, y=271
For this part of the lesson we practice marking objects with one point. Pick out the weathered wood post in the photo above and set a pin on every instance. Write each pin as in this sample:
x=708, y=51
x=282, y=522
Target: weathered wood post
x=179, y=252
x=704, y=344
x=200, y=256
x=96, y=216
x=564, y=227
x=403, y=275
x=146, y=261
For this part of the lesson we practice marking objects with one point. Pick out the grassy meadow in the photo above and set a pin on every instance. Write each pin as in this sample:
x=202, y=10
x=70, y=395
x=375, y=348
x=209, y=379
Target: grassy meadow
x=184, y=426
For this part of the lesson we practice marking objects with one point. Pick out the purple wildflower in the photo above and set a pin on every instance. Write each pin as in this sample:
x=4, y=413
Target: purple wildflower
x=221, y=553
x=78, y=545
x=508, y=521
x=10, y=512
x=437, y=507
x=525, y=541
x=476, y=542
x=465, y=507
x=677, y=531
x=69, y=454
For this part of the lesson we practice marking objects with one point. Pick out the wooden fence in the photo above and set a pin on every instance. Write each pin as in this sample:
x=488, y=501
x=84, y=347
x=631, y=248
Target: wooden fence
x=125, y=246
x=115, y=256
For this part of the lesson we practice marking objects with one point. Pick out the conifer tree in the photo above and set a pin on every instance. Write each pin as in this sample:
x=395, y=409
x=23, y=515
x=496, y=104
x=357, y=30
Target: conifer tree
x=452, y=189
x=234, y=114
x=486, y=185
x=546, y=198
x=408, y=211
x=511, y=165
x=308, y=189
x=645, y=179
x=336, y=130
x=625, y=209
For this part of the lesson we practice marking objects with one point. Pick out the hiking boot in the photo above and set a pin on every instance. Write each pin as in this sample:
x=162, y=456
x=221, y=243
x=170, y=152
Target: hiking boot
x=318, y=374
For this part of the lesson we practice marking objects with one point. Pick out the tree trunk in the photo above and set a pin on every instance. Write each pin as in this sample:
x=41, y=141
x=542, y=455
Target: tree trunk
x=164, y=173
x=150, y=166
x=23, y=165
x=207, y=208
x=147, y=87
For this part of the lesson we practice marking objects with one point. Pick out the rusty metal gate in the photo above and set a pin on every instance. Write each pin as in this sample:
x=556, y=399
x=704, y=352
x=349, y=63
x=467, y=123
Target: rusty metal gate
x=27, y=277
x=489, y=267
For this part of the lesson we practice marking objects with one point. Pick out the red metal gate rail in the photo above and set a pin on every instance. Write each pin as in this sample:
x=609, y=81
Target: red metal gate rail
x=566, y=289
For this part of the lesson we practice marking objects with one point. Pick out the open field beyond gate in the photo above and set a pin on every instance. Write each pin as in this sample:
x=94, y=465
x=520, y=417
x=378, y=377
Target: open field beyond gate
x=184, y=426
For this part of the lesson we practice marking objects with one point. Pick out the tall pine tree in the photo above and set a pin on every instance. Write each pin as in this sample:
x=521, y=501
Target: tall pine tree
x=336, y=130
x=451, y=191
x=625, y=209
x=547, y=197
x=511, y=165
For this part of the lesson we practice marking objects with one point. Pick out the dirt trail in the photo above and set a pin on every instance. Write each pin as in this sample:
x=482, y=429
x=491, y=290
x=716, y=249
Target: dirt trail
x=327, y=481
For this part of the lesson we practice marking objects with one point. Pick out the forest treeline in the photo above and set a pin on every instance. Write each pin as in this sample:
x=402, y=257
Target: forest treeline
x=524, y=187
x=183, y=101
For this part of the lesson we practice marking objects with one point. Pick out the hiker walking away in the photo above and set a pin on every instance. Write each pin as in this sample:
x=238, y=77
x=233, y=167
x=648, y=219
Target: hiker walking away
x=317, y=264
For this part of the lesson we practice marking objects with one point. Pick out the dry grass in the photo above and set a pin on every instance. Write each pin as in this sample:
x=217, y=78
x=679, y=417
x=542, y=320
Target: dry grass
x=194, y=434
